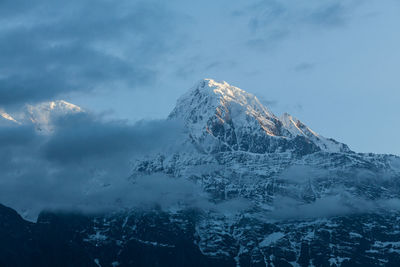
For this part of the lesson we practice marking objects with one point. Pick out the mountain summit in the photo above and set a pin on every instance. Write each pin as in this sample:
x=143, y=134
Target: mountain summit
x=222, y=117
x=41, y=115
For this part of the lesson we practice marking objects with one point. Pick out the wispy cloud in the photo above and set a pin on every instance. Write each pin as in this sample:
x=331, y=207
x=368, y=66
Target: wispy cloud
x=305, y=66
x=270, y=21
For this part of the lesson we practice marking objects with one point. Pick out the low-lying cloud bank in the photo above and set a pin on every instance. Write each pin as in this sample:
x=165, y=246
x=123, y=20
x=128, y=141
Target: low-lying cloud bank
x=84, y=163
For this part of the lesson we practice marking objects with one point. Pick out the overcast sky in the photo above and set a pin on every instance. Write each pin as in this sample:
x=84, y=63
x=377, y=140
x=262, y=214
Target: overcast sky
x=333, y=64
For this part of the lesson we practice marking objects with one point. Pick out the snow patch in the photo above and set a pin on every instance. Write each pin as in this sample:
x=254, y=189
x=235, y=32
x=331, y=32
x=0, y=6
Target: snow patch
x=271, y=239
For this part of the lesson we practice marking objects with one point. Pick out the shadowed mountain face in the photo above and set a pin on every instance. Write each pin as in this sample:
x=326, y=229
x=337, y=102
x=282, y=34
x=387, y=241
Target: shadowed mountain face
x=79, y=240
x=163, y=239
x=277, y=194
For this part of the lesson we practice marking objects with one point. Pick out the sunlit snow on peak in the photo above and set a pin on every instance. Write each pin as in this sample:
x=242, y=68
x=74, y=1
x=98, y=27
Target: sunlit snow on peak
x=217, y=113
x=8, y=117
x=42, y=113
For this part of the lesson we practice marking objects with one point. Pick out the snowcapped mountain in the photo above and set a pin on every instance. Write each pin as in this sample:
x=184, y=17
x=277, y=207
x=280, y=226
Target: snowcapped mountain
x=41, y=115
x=277, y=194
x=244, y=150
x=221, y=117
x=283, y=171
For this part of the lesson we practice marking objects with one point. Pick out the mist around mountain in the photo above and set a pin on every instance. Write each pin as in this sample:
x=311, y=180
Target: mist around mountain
x=241, y=185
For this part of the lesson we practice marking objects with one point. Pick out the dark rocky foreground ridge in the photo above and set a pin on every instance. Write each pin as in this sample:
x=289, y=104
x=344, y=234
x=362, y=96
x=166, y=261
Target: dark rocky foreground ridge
x=77, y=240
x=161, y=239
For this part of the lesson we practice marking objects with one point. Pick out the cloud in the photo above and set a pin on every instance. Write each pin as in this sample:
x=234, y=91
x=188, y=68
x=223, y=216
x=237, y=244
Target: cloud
x=57, y=47
x=84, y=136
x=84, y=164
x=270, y=21
x=16, y=136
x=305, y=66
x=332, y=15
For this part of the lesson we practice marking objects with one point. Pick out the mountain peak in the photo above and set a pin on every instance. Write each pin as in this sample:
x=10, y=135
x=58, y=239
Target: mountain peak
x=224, y=92
x=41, y=115
x=56, y=105
x=222, y=89
x=8, y=117
x=209, y=95
x=222, y=117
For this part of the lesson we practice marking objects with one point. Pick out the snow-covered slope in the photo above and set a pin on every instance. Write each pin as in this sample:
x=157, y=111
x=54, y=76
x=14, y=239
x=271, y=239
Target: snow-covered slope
x=297, y=128
x=244, y=150
x=41, y=115
x=221, y=117
x=7, y=119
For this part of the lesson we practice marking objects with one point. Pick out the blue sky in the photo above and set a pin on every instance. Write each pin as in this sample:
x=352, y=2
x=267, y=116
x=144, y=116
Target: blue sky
x=332, y=64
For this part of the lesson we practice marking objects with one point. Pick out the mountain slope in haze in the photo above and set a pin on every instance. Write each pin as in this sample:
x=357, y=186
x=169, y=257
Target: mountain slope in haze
x=41, y=115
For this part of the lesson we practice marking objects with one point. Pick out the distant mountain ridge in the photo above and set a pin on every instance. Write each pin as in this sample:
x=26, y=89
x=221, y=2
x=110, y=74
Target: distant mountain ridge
x=40, y=115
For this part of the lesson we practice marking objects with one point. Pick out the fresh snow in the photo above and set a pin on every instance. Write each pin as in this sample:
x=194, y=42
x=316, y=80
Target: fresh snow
x=42, y=115
x=211, y=103
x=8, y=117
x=271, y=239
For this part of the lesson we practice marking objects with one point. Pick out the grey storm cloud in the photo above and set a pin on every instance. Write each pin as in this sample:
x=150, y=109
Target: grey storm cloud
x=16, y=136
x=86, y=161
x=48, y=48
x=84, y=137
x=86, y=165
